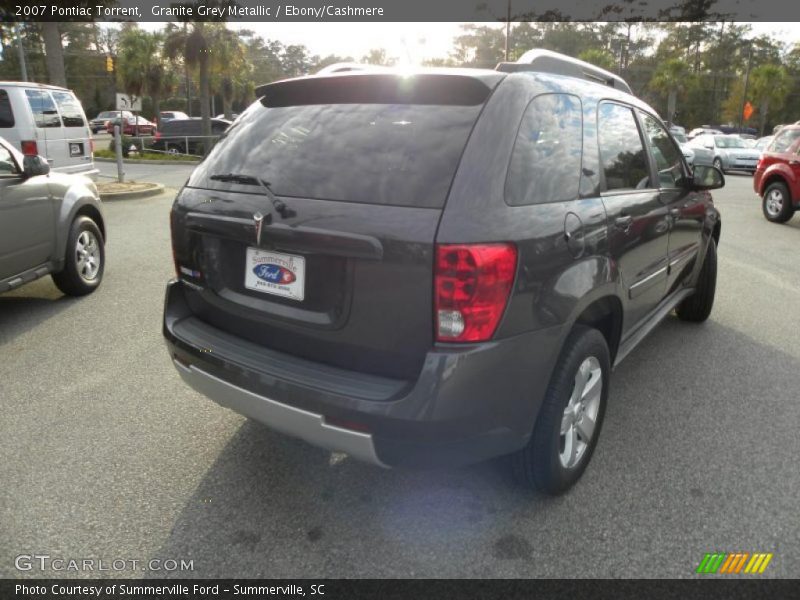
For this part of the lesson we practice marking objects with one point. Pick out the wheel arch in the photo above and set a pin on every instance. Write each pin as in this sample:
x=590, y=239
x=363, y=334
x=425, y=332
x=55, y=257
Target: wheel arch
x=606, y=315
x=775, y=176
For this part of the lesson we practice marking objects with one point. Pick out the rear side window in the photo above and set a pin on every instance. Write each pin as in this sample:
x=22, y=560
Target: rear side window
x=70, y=109
x=668, y=159
x=6, y=113
x=546, y=161
x=621, y=150
x=387, y=153
x=43, y=108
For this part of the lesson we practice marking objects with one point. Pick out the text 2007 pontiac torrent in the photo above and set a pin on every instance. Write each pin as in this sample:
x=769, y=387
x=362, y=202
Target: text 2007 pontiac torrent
x=438, y=267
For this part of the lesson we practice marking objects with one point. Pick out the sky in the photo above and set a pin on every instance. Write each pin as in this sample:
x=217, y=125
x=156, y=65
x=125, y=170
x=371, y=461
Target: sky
x=411, y=42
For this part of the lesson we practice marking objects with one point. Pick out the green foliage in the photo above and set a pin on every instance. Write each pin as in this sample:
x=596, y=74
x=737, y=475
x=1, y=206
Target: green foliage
x=599, y=58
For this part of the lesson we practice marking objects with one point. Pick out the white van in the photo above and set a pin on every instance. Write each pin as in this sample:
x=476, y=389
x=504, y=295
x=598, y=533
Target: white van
x=49, y=121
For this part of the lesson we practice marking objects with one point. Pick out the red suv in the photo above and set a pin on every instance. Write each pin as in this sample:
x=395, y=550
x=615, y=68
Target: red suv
x=777, y=177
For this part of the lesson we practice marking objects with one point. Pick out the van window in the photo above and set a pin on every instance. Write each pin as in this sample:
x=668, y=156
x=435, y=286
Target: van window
x=6, y=113
x=546, y=161
x=70, y=108
x=43, y=108
x=621, y=149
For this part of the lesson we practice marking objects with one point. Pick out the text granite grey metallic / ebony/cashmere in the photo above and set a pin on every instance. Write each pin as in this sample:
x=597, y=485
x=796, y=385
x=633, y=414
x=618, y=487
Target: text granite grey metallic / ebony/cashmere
x=438, y=267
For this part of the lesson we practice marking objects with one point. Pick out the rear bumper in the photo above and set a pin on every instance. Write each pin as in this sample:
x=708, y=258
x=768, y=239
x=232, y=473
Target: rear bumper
x=469, y=403
x=281, y=417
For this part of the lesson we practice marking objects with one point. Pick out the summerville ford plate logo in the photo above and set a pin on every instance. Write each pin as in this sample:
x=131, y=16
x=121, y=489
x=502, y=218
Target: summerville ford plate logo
x=274, y=274
x=734, y=563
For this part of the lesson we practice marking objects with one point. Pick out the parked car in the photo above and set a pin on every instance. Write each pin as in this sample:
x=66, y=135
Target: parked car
x=701, y=156
x=52, y=224
x=730, y=152
x=132, y=125
x=100, y=122
x=165, y=116
x=185, y=136
x=49, y=121
x=763, y=143
x=777, y=178
x=437, y=267
x=703, y=131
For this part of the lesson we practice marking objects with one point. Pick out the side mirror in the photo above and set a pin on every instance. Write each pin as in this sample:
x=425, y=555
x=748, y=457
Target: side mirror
x=34, y=165
x=707, y=177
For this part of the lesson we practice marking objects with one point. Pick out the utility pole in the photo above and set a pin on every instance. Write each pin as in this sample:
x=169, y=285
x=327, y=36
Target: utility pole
x=22, y=65
x=746, y=82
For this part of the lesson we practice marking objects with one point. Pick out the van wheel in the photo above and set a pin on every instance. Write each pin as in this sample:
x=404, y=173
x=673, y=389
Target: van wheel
x=84, y=261
x=566, y=430
x=777, y=203
x=697, y=307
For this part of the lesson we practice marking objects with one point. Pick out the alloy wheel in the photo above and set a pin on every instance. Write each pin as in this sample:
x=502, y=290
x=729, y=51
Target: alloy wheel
x=579, y=420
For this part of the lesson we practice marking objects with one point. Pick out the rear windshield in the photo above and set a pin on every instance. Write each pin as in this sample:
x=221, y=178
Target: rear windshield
x=373, y=138
x=43, y=108
x=394, y=154
x=70, y=108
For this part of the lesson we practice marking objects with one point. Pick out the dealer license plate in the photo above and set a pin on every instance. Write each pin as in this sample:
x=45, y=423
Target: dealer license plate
x=275, y=273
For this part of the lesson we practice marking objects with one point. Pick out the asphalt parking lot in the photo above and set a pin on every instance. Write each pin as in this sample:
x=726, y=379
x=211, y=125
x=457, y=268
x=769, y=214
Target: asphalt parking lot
x=106, y=454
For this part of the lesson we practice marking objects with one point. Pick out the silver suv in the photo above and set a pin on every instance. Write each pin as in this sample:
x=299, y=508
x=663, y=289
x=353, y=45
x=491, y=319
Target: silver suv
x=52, y=224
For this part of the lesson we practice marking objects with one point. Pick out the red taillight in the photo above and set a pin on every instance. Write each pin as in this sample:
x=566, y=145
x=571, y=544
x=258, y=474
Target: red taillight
x=29, y=148
x=472, y=283
x=91, y=145
x=158, y=135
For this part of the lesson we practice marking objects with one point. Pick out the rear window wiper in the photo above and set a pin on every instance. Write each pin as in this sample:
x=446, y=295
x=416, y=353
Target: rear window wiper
x=242, y=179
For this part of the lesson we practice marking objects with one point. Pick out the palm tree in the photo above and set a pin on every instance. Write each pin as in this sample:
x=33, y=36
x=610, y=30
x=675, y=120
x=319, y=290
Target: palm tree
x=230, y=69
x=670, y=78
x=770, y=85
x=191, y=43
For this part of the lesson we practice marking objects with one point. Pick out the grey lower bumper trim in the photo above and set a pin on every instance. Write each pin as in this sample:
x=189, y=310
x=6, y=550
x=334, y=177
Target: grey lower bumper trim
x=296, y=422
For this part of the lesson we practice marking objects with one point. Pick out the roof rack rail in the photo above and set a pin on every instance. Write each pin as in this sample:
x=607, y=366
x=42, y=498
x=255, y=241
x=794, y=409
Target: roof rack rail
x=552, y=62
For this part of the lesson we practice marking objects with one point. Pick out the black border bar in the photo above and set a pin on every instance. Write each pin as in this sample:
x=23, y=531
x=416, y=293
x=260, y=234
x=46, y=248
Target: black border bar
x=706, y=588
x=395, y=10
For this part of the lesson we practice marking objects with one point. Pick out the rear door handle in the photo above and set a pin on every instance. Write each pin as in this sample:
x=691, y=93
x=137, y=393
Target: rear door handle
x=624, y=223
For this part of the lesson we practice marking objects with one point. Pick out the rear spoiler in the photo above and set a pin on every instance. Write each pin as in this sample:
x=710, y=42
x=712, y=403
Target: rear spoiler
x=365, y=87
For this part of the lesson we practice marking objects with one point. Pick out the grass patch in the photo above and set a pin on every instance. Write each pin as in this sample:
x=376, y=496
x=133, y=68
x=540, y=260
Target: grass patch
x=147, y=156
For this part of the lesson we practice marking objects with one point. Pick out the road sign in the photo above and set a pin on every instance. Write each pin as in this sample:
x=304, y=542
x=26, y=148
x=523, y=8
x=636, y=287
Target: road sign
x=125, y=102
x=748, y=111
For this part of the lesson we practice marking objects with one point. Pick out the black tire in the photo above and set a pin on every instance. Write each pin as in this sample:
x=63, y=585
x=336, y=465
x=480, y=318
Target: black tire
x=77, y=278
x=776, y=203
x=718, y=164
x=697, y=307
x=539, y=464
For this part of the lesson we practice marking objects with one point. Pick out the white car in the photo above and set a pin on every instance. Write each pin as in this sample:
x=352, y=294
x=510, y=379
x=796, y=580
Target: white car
x=49, y=121
x=730, y=152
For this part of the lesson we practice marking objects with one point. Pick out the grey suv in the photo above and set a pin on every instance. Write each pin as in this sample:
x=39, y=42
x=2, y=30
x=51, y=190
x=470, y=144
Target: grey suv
x=50, y=223
x=437, y=268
